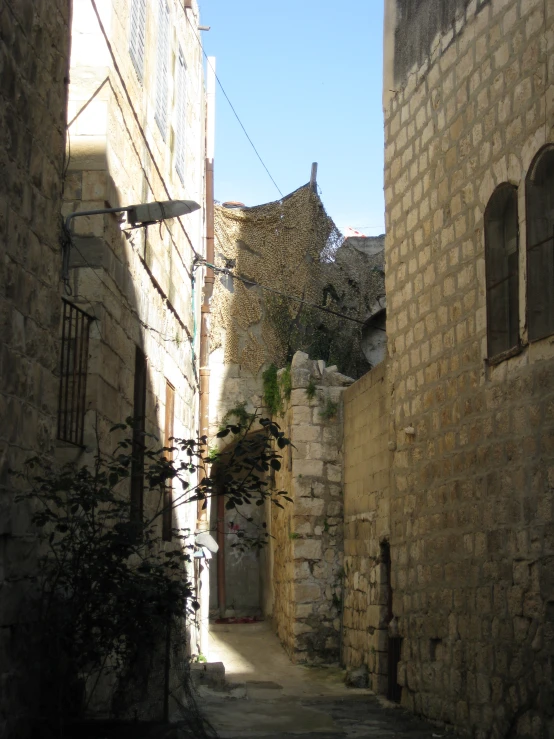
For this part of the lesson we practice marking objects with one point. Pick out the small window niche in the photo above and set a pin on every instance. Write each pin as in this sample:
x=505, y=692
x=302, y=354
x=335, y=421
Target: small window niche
x=502, y=272
x=539, y=198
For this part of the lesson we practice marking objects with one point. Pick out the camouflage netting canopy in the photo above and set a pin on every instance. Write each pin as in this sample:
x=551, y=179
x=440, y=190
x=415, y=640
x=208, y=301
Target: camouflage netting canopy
x=291, y=246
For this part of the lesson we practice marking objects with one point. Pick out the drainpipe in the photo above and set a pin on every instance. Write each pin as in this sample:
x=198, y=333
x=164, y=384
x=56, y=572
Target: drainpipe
x=202, y=515
x=202, y=522
x=204, y=336
x=208, y=289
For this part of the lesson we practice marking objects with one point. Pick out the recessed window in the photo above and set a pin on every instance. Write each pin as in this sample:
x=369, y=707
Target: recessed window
x=501, y=261
x=180, y=112
x=162, y=64
x=540, y=245
x=137, y=30
x=73, y=374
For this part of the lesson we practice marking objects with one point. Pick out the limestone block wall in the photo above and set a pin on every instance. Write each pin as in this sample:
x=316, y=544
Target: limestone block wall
x=34, y=48
x=366, y=463
x=471, y=489
x=137, y=284
x=307, y=548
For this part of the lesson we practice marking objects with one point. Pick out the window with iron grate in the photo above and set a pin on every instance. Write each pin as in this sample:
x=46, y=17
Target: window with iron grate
x=502, y=270
x=539, y=197
x=180, y=113
x=73, y=374
x=162, y=64
x=137, y=32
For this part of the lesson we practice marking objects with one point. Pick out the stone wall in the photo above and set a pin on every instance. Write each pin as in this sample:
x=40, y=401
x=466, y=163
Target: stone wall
x=136, y=284
x=366, y=526
x=471, y=487
x=308, y=534
x=34, y=49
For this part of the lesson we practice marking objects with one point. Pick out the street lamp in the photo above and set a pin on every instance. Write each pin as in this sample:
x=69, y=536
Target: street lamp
x=138, y=215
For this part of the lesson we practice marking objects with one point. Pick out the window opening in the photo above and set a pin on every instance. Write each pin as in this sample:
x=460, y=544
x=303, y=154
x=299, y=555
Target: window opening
x=139, y=421
x=73, y=374
x=502, y=270
x=540, y=245
x=180, y=113
x=137, y=30
x=167, y=516
x=162, y=68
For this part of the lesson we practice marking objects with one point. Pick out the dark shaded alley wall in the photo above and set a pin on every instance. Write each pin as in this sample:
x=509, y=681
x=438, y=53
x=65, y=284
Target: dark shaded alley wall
x=34, y=51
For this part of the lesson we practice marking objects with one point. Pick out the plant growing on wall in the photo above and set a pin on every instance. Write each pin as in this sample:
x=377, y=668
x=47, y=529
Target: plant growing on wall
x=109, y=589
x=286, y=383
x=311, y=389
x=239, y=414
x=329, y=410
x=271, y=393
x=276, y=389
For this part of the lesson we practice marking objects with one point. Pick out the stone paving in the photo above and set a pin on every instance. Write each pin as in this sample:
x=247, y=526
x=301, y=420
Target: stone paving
x=265, y=696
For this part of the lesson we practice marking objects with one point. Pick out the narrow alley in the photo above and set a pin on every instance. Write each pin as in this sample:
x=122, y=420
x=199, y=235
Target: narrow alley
x=262, y=694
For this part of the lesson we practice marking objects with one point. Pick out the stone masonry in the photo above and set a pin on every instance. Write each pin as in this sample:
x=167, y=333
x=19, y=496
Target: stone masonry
x=471, y=501
x=366, y=525
x=34, y=48
x=308, y=534
x=137, y=284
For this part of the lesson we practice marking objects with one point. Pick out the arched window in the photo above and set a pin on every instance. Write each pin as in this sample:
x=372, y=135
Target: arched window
x=501, y=261
x=540, y=245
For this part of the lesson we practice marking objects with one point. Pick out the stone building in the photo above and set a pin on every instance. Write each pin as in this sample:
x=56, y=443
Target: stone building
x=137, y=67
x=116, y=335
x=451, y=540
x=136, y=129
x=34, y=51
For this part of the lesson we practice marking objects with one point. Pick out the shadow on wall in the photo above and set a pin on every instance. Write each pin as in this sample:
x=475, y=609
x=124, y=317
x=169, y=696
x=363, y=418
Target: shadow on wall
x=139, y=365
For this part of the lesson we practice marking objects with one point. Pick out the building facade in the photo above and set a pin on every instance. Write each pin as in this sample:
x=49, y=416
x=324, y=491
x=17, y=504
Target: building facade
x=137, y=67
x=99, y=318
x=34, y=52
x=468, y=165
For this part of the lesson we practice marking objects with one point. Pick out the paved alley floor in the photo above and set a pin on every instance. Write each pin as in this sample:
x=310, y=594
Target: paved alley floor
x=267, y=696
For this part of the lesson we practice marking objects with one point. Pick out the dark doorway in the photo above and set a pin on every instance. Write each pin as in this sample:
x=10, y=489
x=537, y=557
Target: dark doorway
x=394, y=643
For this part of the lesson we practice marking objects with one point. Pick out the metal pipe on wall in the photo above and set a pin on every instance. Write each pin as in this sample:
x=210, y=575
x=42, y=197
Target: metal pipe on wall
x=202, y=512
x=209, y=273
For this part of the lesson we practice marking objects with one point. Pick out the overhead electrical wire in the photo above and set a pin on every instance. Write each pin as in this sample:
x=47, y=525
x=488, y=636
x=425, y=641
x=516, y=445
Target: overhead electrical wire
x=233, y=107
x=134, y=311
x=247, y=281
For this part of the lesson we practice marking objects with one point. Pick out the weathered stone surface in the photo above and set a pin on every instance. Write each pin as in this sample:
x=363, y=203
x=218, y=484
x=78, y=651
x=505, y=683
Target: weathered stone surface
x=469, y=495
x=309, y=506
x=307, y=549
x=312, y=553
x=300, y=361
x=306, y=592
x=357, y=677
x=33, y=36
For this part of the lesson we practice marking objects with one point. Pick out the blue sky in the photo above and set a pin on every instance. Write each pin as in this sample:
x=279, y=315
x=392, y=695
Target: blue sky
x=305, y=77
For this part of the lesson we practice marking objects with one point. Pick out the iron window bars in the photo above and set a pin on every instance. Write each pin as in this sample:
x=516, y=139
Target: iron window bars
x=73, y=373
